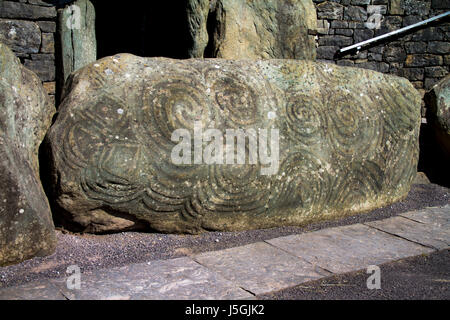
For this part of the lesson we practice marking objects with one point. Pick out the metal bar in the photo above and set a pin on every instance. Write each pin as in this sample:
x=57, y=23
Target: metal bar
x=390, y=34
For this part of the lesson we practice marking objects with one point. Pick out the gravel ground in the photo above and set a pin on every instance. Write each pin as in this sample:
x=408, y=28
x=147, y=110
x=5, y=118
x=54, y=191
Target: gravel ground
x=91, y=252
x=418, y=278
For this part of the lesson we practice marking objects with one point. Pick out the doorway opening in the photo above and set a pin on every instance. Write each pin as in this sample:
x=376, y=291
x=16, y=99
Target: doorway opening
x=143, y=28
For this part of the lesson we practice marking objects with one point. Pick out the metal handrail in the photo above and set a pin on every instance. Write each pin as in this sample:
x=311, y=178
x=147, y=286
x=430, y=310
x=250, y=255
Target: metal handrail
x=359, y=45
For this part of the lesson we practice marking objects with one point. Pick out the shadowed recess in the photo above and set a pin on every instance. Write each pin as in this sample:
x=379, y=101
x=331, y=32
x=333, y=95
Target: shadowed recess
x=143, y=28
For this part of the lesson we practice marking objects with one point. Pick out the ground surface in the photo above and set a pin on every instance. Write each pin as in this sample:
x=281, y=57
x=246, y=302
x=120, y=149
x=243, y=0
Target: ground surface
x=96, y=252
x=425, y=277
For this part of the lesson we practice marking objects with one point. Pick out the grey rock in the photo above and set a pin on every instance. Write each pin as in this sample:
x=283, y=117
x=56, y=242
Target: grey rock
x=20, y=36
x=439, y=47
x=436, y=72
x=326, y=52
x=395, y=54
x=198, y=11
x=111, y=145
x=339, y=41
x=45, y=69
x=261, y=29
x=348, y=248
x=416, y=7
x=437, y=216
x=40, y=290
x=344, y=32
x=423, y=60
x=47, y=26
x=429, y=34
x=438, y=103
x=354, y=13
x=339, y=24
x=17, y=10
x=43, y=56
x=383, y=67
x=375, y=56
x=175, y=279
x=440, y=4
x=376, y=9
x=345, y=63
x=360, y=2
x=396, y=7
x=330, y=10
x=416, y=47
x=78, y=43
x=260, y=268
x=427, y=235
x=409, y=20
x=362, y=34
x=48, y=43
x=412, y=74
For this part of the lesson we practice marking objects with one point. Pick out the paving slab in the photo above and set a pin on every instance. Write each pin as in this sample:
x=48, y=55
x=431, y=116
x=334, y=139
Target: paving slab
x=348, y=248
x=430, y=235
x=260, y=267
x=40, y=290
x=435, y=216
x=175, y=279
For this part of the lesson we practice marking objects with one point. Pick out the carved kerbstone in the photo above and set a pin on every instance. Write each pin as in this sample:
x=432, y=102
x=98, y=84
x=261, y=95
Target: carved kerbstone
x=26, y=226
x=348, y=143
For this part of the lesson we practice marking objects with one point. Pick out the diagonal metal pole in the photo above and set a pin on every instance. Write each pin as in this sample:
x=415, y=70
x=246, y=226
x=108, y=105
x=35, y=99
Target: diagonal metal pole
x=359, y=45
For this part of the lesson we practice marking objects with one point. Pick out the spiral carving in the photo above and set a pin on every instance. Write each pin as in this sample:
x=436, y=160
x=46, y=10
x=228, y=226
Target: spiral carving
x=306, y=119
x=347, y=141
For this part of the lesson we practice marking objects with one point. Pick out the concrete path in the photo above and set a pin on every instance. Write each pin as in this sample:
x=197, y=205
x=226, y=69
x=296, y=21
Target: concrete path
x=258, y=268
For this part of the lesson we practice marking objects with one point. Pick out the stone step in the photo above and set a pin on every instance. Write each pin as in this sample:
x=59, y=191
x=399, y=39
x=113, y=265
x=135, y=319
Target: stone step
x=262, y=267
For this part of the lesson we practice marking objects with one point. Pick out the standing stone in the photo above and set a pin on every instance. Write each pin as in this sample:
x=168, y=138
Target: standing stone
x=348, y=143
x=260, y=29
x=19, y=10
x=20, y=36
x=76, y=25
x=26, y=227
x=197, y=11
x=438, y=104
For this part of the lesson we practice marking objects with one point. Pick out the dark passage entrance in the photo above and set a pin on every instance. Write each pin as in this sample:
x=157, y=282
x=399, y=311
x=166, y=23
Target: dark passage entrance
x=143, y=28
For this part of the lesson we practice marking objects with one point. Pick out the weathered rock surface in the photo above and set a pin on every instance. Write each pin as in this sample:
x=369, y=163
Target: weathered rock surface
x=348, y=142
x=197, y=18
x=20, y=36
x=438, y=103
x=257, y=29
x=26, y=226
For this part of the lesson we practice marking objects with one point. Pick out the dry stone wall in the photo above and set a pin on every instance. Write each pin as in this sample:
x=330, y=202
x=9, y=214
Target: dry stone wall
x=28, y=27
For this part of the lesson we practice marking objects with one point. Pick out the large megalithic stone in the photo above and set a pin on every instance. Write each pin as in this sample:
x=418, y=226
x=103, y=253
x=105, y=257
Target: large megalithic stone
x=256, y=29
x=348, y=143
x=26, y=226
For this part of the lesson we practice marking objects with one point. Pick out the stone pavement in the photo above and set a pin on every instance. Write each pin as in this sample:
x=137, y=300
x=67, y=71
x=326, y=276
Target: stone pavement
x=258, y=268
